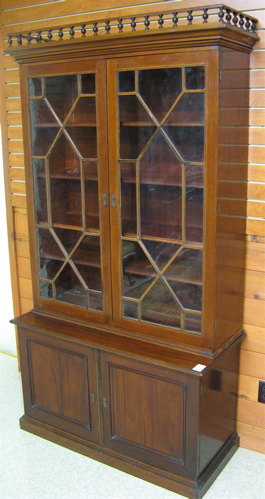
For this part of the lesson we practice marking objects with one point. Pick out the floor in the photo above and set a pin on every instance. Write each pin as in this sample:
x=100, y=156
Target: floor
x=32, y=468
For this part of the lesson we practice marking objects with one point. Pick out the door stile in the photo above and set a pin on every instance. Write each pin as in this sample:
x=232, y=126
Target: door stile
x=114, y=191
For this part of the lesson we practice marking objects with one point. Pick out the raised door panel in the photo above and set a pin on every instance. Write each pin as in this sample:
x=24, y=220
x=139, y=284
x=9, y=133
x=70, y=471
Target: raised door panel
x=146, y=411
x=60, y=384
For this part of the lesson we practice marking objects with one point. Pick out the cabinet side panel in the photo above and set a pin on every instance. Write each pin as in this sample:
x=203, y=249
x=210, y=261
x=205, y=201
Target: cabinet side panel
x=232, y=192
x=218, y=406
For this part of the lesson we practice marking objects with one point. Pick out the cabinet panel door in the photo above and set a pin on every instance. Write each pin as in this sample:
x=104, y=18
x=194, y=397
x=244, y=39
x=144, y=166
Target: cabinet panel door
x=60, y=384
x=69, y=178
x=160, y=111
x=146, y=411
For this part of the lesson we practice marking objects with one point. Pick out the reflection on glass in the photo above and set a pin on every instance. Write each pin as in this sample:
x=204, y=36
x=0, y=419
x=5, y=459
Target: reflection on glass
x=46, y=290
x=35, y=87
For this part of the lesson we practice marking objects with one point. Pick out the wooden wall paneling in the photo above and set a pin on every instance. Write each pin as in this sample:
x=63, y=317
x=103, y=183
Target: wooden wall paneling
x=8, y=195
x=35, y=13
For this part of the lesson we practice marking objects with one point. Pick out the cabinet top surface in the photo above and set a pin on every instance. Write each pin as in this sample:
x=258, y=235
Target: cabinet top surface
x=206, y=25
x=100, y=338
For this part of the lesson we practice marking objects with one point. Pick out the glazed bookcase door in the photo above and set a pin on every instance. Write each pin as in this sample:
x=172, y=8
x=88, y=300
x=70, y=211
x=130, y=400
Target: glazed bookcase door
x=70, y=195
x=161, y=129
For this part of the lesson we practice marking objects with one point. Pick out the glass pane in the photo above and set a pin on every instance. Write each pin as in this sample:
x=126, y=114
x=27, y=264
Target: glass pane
x=133, y=139
x=189, y=109
x=44, y=127
x=194, y=203
x=46, y=290
x=132, y=111
x=91, y=196
x=61, y=92
x=186, y=267
x=88, y=252
x=130, y=309
x=69, y=288
x=138, y=272
x=126, y=81
x=161, y=211
x=51, y=257
x=195, y=77
x=95, y=301
x=192, y=323
x=128, y=197
x=160, y=164
x=189, y=295
x=188, y=141
x=40, y=191
x=158, y=306
x=84, y=140
x=66, y=201
x=159, y=88
x=35, y=87
x=68, y=238
x=84, y=112
x=88, y=83
x=63, y=160
x=160, y=252
x=194, y=215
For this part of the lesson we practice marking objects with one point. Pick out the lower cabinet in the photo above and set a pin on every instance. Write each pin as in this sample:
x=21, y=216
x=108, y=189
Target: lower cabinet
x=164, y=422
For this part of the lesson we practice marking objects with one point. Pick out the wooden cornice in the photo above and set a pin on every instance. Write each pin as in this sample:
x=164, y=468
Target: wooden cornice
x=129, y=43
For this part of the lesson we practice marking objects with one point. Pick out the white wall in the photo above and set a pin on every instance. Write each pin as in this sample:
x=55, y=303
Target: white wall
x=7, y=331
